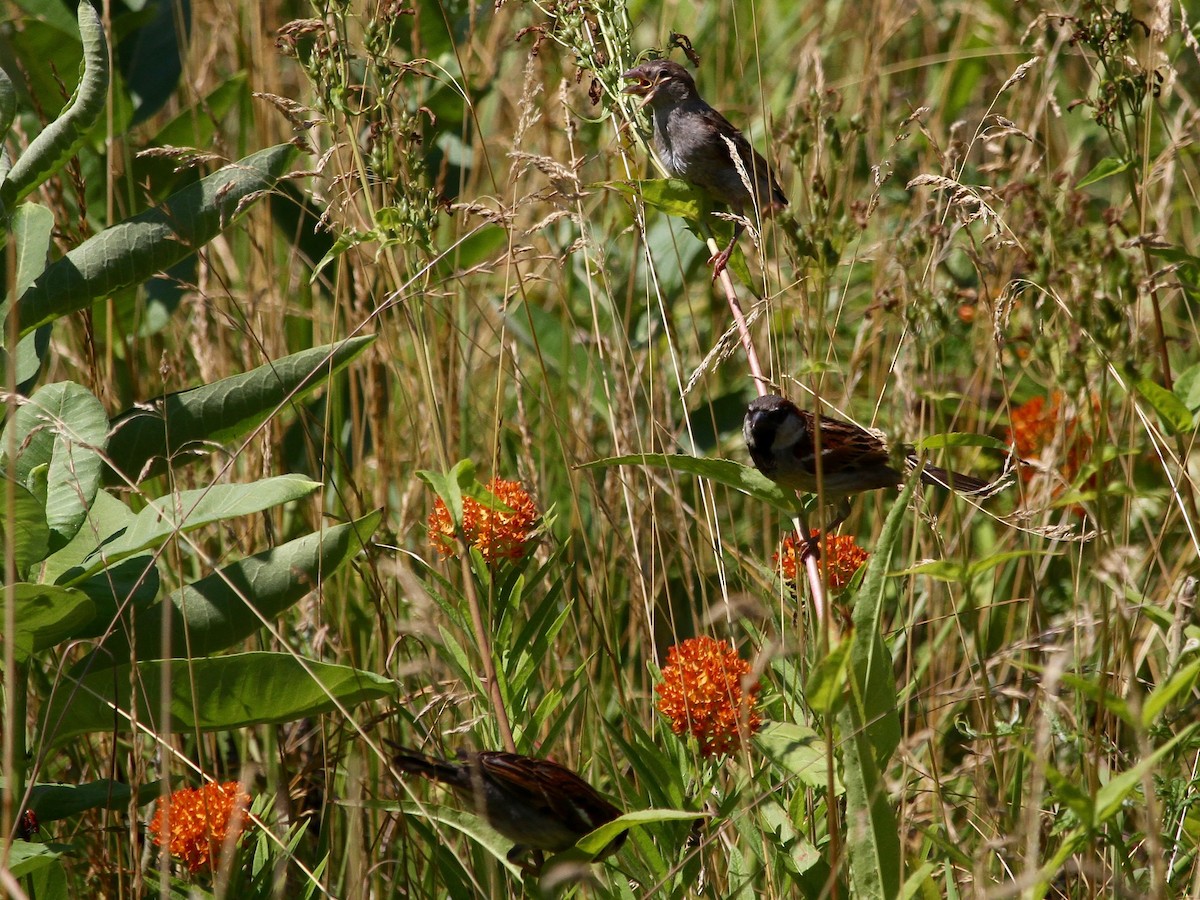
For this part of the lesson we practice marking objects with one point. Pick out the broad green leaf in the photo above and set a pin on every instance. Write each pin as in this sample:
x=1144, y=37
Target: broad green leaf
x=1106, y=168
x=123, y=589
x=63, y=428
x=148, y=435
x=1187, y=388
x=151, y=55
x=672, y=196
x=480, y=246
x=25, y=857
x=106, y=516
x=30, y=228
x=29, y=233
x=55, y=15
x=196, y=125
x=452, y=486
x=188, y=510
x=58, y=142
x=797, y=750
x=872, y=832
x=723, y=471
x=128, y=253
x=1175, y=415
x=870, y=726
x=23, y=529
x=209, y=694
x=50, y=882
x=46, y=615
x=8, y=112
x=232, y=604
x=826, y=685
x=52, y=802
x=593, y=843
x=795, y=852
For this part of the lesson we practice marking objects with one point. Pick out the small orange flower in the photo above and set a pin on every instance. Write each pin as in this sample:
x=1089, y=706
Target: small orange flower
x=1033, y=428
x=702, y=693
x=496, y=533
x=199, y=821
x=843, y=558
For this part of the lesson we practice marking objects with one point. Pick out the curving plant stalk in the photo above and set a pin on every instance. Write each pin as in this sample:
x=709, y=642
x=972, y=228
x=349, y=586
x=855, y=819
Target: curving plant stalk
x=59, y=141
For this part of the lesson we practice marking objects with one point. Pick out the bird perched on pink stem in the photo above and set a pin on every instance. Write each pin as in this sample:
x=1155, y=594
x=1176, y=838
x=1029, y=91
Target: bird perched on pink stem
x=698, y=144
x=782, y=442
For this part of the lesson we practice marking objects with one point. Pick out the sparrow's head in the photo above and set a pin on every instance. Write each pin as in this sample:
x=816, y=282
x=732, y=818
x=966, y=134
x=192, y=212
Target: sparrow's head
x=772, y=424
x=659, y=81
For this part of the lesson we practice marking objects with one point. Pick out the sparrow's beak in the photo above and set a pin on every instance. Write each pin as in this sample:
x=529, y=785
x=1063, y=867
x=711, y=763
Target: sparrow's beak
x=640, y=87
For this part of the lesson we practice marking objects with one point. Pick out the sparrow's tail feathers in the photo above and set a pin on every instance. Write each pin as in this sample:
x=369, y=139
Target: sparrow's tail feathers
x=416, y=763
x=967, y=485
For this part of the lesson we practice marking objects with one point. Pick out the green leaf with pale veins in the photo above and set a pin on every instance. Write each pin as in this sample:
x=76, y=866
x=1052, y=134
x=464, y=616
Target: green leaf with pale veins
x=228, y=606
x=63, y=429
x=186, y=511
x=46, y=615
x=208, y=694
x=129, y=252
x=184, y=423
x=23, y=529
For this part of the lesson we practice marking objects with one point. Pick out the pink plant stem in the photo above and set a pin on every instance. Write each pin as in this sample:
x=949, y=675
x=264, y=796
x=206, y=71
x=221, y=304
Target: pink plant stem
x=739, y=318
x=760, y=384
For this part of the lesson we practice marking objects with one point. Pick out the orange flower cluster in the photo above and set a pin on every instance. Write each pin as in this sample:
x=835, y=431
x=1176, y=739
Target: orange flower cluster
x=1033, y=428
x=843, y=558
x=701, y=693
x=496, y=533
x=199, y=821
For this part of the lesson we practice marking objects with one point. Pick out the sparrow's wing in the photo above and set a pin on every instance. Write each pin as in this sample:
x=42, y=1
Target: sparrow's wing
x=844, y=447
x=710, y=167
x=552, y=789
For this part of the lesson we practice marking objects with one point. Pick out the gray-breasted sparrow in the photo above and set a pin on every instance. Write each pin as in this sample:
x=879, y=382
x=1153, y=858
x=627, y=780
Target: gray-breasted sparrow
x=693, y=141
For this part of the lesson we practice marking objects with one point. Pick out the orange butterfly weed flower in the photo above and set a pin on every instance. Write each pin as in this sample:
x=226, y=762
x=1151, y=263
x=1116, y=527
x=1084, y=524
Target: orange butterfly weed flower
x=842, y=558
x=199, y=821
x=496, y=533
x=702, y=694
x=1032, y=429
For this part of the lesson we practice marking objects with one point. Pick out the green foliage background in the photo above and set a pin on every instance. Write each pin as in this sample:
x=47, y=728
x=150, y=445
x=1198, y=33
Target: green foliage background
x=990, y=203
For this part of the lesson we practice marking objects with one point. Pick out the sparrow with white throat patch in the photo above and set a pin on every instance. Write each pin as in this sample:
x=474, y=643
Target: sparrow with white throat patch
x=782, y=442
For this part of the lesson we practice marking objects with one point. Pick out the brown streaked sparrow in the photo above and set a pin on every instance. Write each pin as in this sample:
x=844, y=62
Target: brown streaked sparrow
x=536, y=803
x=693, y=141
x=781, y=441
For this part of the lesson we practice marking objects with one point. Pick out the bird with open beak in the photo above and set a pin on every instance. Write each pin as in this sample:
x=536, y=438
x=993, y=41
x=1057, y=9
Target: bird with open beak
x=699, y=145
